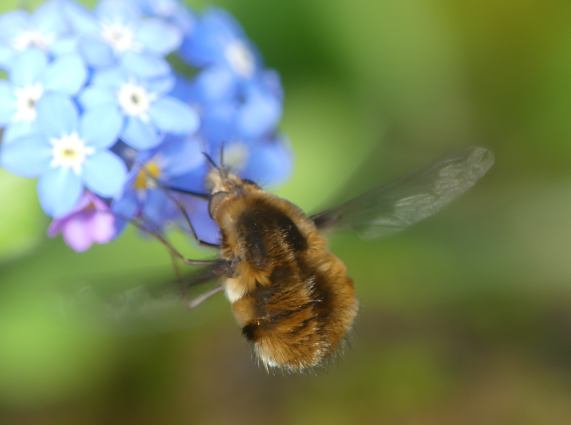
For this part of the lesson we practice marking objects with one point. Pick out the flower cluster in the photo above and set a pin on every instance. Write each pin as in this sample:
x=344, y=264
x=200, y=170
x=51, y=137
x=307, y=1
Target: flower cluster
x=93, y=109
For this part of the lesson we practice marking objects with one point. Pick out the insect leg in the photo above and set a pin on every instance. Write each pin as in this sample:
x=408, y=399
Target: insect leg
x=175, y=266
x=198, y=195
x=170, y=248
x=195, y=302
x=201, y=276
x=188, y=222
x=185, y=215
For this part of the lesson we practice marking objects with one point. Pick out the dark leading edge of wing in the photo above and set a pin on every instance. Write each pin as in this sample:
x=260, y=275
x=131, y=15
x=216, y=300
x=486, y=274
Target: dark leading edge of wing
x=395, y=206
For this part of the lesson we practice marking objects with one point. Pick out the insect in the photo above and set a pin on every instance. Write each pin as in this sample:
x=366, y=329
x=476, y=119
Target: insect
x=291, y=296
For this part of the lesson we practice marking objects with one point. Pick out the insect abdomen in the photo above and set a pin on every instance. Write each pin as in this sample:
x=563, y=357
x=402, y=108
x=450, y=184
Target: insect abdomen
x=302, y=306
x=301, y=317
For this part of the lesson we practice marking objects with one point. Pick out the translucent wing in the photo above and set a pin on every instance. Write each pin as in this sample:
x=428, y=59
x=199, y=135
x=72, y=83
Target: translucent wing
x=156, y=303
x=400, y=204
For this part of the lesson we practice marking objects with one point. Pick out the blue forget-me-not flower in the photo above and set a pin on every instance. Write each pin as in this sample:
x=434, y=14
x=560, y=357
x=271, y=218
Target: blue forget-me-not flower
x=143, y=105
x=45, y=29
x=173, y=11
x=32, y=75
x=218, y=40
x=142, y=196
x=234, y=108
x=118, y=32
x=68, y=153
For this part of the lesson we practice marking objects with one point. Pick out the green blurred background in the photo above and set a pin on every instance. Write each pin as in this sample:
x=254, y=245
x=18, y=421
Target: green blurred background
x=465, y=318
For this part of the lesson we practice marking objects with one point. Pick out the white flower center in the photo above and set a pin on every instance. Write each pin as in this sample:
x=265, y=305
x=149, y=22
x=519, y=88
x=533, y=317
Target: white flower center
x=135, y=100
x=240, y=58
x=236, y=156
x=26, y=100
x=33, y=38
x=119, y=36
x=70, y=151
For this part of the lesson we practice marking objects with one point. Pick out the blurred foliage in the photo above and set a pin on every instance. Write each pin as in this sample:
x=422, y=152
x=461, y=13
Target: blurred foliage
x=21, y=226
x=464, y=319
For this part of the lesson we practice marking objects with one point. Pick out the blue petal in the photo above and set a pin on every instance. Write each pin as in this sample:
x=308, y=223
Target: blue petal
x=7, y=103
x=19, y=129
x=118, y=10
x=269, y=163
x=100, y=127
x=57, y=115
x=214, y=84
x=65, y=46
x=49, y=17
x=81, y=20
x=176, y=148
x=218, y=121
x=193, y=180
x=97, y=53
x=162, y=85
x=173, y=116
x=140, y=135
x=28, y=67
x=162, y=8
x=206, y=228
x=171, y=10
x=259, y=115
x=105, y=174
x=271, y=84
x=6, y=55
x=111, y=78
x=127, y=206
x=27, y=157
x=97, y=96
x=222, y=23
x=145, y=66
x=182, y=89
x=132, y=157
x=59, y=190
x=158, y=37
x=12, y=23
x=206, y=44
x=183, y=18
x=66, y=74
x=158, y=208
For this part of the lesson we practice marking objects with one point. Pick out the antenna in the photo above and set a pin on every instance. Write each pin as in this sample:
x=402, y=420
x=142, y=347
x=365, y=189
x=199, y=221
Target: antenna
x=221, y=169
x=222, y=156
x=211, y=161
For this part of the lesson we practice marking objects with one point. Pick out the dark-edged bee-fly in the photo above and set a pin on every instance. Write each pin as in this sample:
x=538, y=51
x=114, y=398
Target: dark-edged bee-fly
x=291, y=296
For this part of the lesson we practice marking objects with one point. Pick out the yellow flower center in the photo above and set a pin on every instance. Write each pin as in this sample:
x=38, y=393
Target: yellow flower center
x=146, y=177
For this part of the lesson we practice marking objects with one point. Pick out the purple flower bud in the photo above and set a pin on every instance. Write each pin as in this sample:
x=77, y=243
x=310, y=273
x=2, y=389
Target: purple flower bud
x=90, y=222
